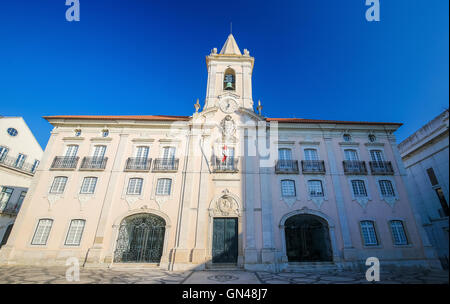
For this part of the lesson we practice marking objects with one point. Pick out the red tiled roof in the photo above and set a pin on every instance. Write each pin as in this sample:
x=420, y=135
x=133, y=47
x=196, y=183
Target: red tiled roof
x=303, y=120
x=121, y=117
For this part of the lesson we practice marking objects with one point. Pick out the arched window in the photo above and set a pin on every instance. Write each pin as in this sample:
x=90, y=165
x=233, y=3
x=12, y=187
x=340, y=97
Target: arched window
x=229, y=80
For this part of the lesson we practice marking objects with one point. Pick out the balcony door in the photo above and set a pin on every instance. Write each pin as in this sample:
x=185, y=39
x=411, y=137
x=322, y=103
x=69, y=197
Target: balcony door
x=168, y=156
x=284, y=157
x=351, y=155
x=71, y=151
x=99, y=152
x=311, y=154
x=376, y=155
x=20, y=160
x=142, y=152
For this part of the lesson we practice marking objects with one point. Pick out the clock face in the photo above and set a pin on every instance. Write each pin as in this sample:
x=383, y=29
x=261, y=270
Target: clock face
x=228, y=105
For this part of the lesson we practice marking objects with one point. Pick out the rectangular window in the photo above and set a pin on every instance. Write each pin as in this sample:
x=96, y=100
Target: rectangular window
x=377, y=155
x=287, y=188
x=20, y=160
x=3, y=153
x=315, y=188
x=311, y=154
x=35, y=165
x=75, y=232
x=432, y=177
x=284, y=154
x=386, y=188
x=20, y=201
x=134, y=186
x=359, y=188
x=168, y=153
x=443, y=202
x=163, y=186
x=88, y=186
x=42, y=232
x=142, y=152
x=99, y=151
x=5, y=195
x=368, y=233
x=398, y=233
x=350, y=154
x=59, y=184
x=71, y=151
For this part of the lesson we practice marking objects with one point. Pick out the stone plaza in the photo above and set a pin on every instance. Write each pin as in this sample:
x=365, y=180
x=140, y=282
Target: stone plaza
x=57, y=275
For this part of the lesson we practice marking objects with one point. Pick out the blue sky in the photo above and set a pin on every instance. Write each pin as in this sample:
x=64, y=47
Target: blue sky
x=316, y=59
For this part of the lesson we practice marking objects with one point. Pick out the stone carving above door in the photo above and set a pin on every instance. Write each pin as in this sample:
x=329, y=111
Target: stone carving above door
x=224, y=205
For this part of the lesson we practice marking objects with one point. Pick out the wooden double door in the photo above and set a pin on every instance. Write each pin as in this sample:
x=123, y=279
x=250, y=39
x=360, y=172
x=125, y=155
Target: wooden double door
x=225, y=240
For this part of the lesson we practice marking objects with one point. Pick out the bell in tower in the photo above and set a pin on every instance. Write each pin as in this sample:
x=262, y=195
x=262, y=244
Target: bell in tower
x=229, y=80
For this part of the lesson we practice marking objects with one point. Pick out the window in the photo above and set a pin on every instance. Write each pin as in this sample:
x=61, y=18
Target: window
x=168, y=153
x=12, y=132
x=42, y=231
x=347, y=137
x=386, y=188
x=105, y=133
x=20, y=201
x=20, y=160
x=359, y=188
x=315, y=188
x=350, y=154
x=71, y=150
x=75, y=232
x=163, y=186
x=432, y=177
x=142, y=152
x=287, y=188
x=59, y=183
x=99, y=151
x=368, y=233
x=3, y=153
x=377, y=155
x=88, y=186
x=284, y=154
x=443, y=202
x=35, y=165
x=311, y=154
x=372, y=138
x=398, y=233
x=5, y=195
x=134, y=186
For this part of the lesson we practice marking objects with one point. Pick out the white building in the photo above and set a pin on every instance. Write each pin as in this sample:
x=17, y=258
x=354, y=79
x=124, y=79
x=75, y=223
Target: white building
x=20, y=155
x=224, y=185
x=425, y=155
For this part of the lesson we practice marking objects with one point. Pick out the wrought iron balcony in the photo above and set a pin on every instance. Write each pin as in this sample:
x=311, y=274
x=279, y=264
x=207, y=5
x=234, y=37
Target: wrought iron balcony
x=229, y=165
x=313, y=166
x=93, y=163
x=10, y=210
x=138, y=164
x=354, y=167
x=65, y=162
x=165, y=164
x=13, y=163
x=286, y=166
x=381, y=167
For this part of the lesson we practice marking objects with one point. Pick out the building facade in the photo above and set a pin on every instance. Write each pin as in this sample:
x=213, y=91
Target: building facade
x=223, y=186
x=425, y=156
x=20, y=155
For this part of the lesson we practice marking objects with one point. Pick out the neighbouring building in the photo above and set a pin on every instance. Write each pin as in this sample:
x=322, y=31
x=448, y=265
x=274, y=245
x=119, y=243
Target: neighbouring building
x=20, y=154
x=425, y=156
x=225, y=185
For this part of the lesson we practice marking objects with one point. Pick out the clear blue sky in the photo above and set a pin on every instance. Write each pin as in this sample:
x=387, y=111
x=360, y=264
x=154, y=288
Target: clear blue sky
x=315, y=59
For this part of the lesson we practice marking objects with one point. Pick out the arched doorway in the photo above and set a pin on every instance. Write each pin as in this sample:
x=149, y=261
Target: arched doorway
x=141, y=239
x=307, y=239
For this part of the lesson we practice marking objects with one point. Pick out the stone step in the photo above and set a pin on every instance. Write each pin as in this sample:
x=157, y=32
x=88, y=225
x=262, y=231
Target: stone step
x=222, y=266
x=307, y=266
x=119, y=266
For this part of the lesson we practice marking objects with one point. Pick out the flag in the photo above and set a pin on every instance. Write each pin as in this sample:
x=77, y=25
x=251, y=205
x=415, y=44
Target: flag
x=224, y=158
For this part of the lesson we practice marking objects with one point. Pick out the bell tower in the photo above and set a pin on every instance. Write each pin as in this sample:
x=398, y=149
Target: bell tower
x=229, y=76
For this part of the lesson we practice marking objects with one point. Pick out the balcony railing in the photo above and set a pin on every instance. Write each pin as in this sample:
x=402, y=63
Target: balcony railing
x=94, y=163
x=65, y=162
x=165, y=164
x=138, y=164
x=10, y=210
x=313, y=166
x=354, y=167
x=286, y=166
x=229, y=165
x=381, y=167
x=18, y=165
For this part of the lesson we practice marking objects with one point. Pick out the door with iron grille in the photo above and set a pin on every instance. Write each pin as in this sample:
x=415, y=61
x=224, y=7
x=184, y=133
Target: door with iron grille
x=225, y=240
x=141, y=239
x=307, y=239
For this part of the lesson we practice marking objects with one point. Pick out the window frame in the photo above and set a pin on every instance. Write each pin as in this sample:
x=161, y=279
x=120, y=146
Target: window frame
x=89, y=185
x=81, y=233
x=402, y=223
x=157, y=184
x=54, y=180
x=140, y=189
x=294, y=187
x=36, y=230
x=378, y=243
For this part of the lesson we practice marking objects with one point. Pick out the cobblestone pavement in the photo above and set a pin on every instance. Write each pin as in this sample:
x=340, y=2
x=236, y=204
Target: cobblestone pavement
x=56, y=275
